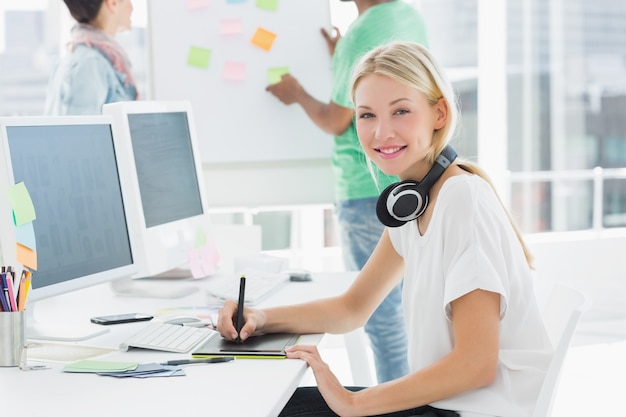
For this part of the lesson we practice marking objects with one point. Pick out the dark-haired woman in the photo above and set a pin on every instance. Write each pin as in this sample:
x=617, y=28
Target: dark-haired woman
x=96, y=69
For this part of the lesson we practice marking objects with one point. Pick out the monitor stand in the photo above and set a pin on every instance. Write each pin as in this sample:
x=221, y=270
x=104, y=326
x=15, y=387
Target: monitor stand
x=143, y=288
x=59, y=332
x=174, y=274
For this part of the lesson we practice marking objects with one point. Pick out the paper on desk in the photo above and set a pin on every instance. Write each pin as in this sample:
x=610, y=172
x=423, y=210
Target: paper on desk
x=148, y=370
x=91, y=366
x=63, y=352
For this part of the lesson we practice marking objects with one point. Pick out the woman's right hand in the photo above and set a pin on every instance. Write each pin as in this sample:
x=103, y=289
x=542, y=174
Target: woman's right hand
x=227, y=318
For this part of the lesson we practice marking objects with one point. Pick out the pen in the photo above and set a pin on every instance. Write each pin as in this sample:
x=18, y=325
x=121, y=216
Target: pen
x=10, y=292
x=240, y=306
x=21, y=292
x=4, y=293
x=218, y=359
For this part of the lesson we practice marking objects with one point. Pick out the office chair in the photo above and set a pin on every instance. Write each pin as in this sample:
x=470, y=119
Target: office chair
x=561, y=314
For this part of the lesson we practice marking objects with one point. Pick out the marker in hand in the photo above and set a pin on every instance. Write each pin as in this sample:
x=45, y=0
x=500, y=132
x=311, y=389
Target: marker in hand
x=240, y=306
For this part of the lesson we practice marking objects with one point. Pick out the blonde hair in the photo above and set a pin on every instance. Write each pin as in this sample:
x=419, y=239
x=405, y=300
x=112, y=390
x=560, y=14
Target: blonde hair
x=411, y=64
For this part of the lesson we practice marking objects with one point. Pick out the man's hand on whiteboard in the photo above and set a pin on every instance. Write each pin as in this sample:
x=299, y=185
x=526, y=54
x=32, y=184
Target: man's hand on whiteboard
x=331, y=39
x=288, y=90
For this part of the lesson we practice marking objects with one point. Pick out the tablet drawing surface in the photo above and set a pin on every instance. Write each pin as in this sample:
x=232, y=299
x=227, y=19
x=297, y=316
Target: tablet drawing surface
x=267, y=345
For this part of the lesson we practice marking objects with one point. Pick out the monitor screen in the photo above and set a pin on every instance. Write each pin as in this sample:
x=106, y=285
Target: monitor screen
x=166, y=170
x=68, y=166
x=160, y=162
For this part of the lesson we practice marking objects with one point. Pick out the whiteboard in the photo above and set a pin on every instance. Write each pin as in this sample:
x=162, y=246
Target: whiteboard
x=236, y=119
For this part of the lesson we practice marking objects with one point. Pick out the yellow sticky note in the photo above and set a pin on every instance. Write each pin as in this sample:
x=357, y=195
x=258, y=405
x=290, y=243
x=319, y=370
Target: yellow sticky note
x=270, y=5
x=263, y=39
x=22, y=205
x=274, y=75
x=198, y=57
x=26, y=256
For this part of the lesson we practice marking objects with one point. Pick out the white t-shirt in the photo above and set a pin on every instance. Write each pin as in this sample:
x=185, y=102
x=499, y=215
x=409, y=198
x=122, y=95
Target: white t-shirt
x=470, y=244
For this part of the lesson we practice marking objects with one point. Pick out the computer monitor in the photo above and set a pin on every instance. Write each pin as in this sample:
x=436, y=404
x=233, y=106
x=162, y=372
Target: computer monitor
x=81, y=234
x=159, y=160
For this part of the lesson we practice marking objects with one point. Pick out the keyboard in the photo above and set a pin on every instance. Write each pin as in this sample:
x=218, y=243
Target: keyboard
x=167, y=337
x=258, y=287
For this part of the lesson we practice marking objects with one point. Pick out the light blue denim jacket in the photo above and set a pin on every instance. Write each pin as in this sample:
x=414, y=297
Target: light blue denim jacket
x=83, y=82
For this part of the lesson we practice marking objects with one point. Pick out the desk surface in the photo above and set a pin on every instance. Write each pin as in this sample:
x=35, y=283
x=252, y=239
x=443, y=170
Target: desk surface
x=250, y=387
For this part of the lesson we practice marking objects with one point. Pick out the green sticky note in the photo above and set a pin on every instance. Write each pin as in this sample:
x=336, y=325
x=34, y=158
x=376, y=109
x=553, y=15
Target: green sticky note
x=271, y=5
x=22, y=205
x=198, y=57
x=274, y=75
x=200, y=238
x=91, y=366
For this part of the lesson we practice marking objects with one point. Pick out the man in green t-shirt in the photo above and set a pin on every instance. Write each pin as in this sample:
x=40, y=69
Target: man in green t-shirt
x=356, y=192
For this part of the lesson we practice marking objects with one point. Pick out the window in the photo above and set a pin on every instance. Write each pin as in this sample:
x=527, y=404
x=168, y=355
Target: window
x=556, y=85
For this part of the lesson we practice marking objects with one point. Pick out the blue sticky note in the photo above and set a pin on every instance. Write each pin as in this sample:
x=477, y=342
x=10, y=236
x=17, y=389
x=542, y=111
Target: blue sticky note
x=25, y=235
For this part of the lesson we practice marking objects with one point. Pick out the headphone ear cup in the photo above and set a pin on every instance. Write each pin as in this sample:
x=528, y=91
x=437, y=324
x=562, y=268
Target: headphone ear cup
x=399, y=203
x=383, y=214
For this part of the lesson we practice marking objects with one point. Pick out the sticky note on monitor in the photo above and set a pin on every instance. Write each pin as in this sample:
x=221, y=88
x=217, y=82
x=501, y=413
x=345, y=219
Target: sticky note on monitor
x=25, y=235
x=26, y=256
x=21, y=203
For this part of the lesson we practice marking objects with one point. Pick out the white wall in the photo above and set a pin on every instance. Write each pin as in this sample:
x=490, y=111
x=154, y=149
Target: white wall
x=269, y=183
x=594, y=262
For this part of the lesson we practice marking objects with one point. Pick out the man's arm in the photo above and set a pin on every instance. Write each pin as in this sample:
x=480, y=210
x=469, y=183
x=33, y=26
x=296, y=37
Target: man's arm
x=330, y=117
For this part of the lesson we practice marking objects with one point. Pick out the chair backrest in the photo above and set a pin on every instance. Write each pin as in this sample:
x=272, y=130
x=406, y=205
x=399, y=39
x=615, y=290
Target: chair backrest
x=561, y=315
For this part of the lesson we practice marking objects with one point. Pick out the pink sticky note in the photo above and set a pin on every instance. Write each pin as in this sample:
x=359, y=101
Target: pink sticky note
x=209, y=258
x=230, y=27
x=203, y=261
x=211, y=253
x=235, y=71
x=194, y=264
x=197, y=4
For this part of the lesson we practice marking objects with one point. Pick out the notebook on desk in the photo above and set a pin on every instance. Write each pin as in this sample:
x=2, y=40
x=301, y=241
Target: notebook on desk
x=265, y=346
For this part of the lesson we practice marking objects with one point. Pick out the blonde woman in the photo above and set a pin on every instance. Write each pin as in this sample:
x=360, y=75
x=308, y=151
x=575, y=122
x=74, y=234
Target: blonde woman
x=476, y=342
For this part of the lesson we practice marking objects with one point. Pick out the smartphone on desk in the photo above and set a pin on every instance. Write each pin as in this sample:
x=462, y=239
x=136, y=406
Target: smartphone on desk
x=121, y=318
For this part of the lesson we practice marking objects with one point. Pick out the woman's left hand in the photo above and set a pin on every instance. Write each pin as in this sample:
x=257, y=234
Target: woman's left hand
x=337, y=397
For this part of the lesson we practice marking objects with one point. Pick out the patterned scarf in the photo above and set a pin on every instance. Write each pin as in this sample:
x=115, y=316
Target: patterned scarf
x=95, y=38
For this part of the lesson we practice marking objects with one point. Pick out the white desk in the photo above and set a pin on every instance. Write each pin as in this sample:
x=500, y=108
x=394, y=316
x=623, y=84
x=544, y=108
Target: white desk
x=245, y=387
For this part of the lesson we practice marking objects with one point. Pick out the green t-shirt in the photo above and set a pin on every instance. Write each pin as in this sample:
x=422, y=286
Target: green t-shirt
x=380, y=24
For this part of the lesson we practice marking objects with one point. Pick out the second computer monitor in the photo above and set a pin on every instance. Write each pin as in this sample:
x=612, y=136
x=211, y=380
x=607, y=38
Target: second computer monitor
x=160, y=162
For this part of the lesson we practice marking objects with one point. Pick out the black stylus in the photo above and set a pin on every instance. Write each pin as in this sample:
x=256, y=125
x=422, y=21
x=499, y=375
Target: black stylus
x=217, y=359
x=240, y=306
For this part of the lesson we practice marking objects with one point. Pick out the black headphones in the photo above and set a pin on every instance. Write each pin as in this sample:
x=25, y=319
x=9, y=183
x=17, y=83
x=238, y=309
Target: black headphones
x=404, y=201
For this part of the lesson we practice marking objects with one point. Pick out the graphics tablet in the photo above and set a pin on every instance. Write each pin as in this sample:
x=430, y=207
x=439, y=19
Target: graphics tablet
x=264, y=346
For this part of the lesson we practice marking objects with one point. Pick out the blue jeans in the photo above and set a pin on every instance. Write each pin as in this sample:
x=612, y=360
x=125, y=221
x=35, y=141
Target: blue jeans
x=360, y=232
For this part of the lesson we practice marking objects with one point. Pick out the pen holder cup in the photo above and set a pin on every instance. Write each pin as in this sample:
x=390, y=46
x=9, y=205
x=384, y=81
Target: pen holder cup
x=11, y=337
